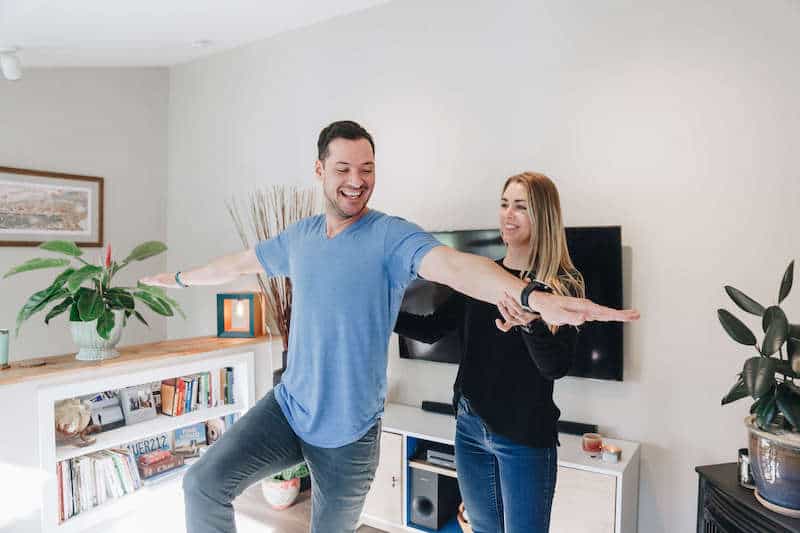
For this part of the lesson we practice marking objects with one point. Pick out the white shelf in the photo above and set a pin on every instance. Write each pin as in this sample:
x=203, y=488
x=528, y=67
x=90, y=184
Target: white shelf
x=159, y=424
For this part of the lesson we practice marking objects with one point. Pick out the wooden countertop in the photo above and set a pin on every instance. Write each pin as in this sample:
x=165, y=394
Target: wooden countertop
x=61, y=364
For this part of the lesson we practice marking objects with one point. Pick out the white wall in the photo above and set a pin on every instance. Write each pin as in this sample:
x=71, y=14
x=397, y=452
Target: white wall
x=98, y=122
x=675, y=120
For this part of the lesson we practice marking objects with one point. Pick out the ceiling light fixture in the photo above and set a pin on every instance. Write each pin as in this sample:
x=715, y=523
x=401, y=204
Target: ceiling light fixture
x=9, y=64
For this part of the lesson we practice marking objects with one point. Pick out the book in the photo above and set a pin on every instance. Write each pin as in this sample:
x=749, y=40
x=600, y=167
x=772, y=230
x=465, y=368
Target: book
x=149, y=470
x=168, y=397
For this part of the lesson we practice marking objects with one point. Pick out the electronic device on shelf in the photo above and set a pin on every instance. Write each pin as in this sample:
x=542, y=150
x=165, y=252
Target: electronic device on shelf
x=438, y=407
x=442, y=458
x=596, y=253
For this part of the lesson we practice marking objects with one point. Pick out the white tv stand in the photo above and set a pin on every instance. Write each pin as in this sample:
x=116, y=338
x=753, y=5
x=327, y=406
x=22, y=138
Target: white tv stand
x=591, y=496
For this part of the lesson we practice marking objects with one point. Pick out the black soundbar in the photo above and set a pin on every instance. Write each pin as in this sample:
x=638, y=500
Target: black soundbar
x=438, y=407
x=564, y=426
x=575, y=428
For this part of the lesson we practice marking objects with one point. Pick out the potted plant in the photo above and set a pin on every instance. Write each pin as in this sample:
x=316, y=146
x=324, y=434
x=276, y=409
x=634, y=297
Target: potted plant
x=97, y=310
x=768, y=378
x=281, y=490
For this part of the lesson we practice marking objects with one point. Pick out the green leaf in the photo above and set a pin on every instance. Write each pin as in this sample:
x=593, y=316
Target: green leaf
x=777, y=328
x=90, y=305
x=36, y=264
x=120, y=299
x=735, y=328
x=787, y=368
x=62, y=247
x=145, y=250
x=759, y=375
x=153, y=303
x=57, y=310
x=744, y=302
x=786, y=282
x=789, y=404
x=105, y=323
x=141, y=318
x=766, y=412
x=756, y=405
x=161, y=295
x=82, y=274
x=737, y=392
x=74, y=314
x=37, y=302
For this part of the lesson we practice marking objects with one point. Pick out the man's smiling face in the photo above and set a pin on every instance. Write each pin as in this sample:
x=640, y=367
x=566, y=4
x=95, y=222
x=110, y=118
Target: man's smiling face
x=348, y=177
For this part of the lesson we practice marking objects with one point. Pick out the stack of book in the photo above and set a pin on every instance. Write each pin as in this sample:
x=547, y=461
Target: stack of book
x=155, y=466
x=91, y=480
x=198, y=391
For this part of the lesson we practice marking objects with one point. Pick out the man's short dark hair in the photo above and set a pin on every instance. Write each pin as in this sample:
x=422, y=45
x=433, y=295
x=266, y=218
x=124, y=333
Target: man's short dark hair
x=343, y=129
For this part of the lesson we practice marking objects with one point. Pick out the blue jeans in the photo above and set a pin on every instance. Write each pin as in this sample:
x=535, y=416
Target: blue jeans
x=506, y=487
x=262, y=444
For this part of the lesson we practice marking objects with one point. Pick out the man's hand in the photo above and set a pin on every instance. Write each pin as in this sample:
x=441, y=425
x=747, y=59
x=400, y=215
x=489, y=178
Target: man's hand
x=558, y=310
x=165, y=279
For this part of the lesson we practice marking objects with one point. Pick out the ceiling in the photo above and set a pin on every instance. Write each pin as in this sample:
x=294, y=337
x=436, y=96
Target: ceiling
x=92, y=33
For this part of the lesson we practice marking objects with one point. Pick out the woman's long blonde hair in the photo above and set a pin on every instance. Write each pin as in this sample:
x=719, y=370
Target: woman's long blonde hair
x=548, y=256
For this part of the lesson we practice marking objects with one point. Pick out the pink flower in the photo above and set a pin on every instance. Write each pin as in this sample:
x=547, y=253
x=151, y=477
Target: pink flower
x=108, y=256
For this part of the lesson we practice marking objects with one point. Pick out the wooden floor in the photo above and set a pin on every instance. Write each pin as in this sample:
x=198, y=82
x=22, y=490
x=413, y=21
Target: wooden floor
x=253, y=515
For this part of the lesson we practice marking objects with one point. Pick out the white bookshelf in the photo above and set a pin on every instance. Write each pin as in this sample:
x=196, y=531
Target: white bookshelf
x=50, y=452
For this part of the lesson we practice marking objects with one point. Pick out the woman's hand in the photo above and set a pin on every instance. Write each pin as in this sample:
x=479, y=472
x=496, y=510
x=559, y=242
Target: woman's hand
x=513, y=314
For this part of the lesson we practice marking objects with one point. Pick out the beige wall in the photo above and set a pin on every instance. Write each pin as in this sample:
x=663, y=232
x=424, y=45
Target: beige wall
x=98, y=122
x=677, y=121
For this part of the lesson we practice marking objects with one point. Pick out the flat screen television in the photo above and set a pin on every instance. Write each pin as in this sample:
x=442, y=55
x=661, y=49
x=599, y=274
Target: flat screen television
x=597, y=254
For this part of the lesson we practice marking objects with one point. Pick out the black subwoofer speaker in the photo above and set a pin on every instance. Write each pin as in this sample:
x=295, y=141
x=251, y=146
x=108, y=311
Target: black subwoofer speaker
x=434, y=498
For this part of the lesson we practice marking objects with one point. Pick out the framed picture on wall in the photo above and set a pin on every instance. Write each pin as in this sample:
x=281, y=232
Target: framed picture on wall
x=38, y=206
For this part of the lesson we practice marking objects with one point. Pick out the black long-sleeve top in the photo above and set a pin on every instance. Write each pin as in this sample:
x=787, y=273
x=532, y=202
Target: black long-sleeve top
x=507, y=377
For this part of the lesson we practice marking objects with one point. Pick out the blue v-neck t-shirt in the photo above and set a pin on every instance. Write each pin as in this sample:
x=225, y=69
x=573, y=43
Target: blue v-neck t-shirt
x=346, y=293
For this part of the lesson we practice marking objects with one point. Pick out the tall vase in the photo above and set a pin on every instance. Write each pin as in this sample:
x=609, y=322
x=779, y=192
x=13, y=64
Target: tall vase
x=278, y=374
x=93, y=347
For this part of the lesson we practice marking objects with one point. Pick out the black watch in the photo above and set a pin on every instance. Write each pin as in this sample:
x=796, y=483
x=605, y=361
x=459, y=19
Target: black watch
x=534, y=285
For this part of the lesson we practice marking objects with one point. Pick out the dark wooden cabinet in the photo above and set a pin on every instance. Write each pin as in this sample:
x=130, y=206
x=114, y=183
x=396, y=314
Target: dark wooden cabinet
x=723, y=506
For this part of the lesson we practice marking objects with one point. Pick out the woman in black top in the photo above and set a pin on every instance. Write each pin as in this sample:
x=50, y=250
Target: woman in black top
x=506, y=433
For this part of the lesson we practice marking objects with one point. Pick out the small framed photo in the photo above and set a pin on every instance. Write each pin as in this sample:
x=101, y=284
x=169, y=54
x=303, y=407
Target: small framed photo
x=138, y=403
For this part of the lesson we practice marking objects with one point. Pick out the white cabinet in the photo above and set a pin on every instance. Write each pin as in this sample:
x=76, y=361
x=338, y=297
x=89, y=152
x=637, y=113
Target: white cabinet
x=385, y=499
x=584, y=502
x=591, y=496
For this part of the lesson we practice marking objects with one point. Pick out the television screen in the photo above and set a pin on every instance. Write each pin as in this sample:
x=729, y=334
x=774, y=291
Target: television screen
x=597, y=254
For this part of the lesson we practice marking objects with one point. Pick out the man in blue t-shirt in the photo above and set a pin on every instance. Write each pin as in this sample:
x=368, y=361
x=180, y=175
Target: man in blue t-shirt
x=349, y=268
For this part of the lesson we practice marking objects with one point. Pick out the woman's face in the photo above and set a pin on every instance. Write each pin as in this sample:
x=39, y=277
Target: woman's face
x=515, y=224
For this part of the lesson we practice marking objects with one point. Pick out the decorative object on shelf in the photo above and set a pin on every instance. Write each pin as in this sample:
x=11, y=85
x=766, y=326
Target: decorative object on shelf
x=188, y=441
x=611, y=454
x=774, y=422
x=281, y=490
x=592, y=444
x=137, y=403
x=214, y=429
x=106, y=410
x=4, y=349
x=239, y=314
x=97, y=311
x=270, y=212
x=744, y=470
x=72, y=419
x=39, y=206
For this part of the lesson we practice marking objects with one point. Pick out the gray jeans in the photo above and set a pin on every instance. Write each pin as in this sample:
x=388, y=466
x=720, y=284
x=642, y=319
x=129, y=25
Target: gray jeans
x=261, y=444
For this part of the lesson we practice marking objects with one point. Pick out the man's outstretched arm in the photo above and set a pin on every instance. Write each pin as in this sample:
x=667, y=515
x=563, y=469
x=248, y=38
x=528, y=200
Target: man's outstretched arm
x=219, y=271
x=480, y=278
